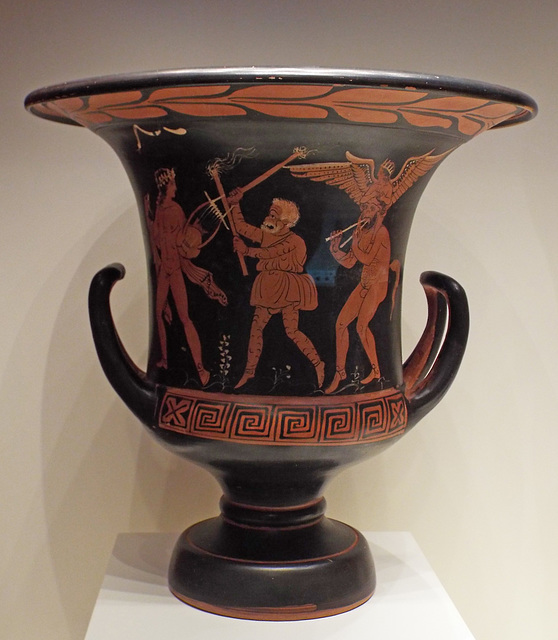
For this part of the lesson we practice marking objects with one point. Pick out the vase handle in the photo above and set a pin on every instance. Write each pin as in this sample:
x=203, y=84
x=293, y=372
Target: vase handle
x=128, y=381
x=431, y=368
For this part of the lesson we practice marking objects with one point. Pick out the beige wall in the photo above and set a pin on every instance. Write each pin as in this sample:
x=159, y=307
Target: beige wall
x=476, y=482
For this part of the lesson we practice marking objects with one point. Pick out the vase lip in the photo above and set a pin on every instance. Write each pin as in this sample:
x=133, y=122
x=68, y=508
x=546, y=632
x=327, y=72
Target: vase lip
x=108, y=84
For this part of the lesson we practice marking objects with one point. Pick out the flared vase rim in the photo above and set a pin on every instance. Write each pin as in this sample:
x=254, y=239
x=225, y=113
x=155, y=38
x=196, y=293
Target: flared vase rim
x=450, y=85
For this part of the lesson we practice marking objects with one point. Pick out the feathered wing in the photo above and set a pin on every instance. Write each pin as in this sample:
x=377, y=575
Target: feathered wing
x=412, y=170
x=354, y=177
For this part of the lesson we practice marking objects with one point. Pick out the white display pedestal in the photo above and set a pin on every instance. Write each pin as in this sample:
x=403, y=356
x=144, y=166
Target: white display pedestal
x=409, y=604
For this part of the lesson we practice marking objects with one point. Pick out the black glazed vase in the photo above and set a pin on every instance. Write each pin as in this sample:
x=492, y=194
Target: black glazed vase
x=276, y=207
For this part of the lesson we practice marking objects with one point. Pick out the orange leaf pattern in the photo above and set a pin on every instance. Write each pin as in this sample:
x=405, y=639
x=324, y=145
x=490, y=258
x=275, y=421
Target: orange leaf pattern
x=105, y=100
x=376, y=95
x=405, y=107
x=277, y=92
x=422, y=119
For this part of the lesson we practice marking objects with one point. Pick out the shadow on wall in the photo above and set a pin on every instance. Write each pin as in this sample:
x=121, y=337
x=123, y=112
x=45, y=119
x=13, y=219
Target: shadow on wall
x=102, y=473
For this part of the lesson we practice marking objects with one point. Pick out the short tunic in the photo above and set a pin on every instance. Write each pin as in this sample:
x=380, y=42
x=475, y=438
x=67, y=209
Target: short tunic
x=281, y=282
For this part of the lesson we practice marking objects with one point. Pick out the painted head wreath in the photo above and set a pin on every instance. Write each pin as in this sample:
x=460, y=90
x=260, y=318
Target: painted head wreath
x=164, y=176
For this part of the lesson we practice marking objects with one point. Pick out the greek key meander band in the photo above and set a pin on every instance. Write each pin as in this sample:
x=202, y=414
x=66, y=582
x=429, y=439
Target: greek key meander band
x=348, y=420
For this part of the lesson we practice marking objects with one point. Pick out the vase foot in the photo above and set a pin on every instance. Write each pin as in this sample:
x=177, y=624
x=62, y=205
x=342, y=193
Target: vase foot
x=269, y=574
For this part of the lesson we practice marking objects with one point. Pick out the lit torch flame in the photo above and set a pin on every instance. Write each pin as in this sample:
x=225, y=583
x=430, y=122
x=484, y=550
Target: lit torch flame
x=222, y=165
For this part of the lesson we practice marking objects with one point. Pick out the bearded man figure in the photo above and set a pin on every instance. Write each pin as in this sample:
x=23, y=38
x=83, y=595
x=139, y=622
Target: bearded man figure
x=281, y=285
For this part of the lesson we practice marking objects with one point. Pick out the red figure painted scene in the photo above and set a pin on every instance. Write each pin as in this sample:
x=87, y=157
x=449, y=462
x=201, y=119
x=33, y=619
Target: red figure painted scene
x=282, y=286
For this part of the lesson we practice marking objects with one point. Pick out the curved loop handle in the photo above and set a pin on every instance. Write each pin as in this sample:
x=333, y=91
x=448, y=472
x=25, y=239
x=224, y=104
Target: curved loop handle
x=430, y=370
x=128, y=381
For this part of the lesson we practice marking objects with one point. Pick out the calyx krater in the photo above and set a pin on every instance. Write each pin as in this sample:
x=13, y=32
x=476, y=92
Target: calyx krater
x=276, y=206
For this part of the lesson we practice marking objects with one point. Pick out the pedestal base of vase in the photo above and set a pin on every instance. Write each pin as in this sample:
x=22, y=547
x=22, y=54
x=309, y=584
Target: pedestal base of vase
x=258, y=573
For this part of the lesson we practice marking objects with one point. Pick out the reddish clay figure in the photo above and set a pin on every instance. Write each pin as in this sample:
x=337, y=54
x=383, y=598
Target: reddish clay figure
x=281, y=285
x=174, y=242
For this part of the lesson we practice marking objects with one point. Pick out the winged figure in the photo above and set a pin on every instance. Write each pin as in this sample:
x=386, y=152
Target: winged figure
x=358, y=178
x=374, y=192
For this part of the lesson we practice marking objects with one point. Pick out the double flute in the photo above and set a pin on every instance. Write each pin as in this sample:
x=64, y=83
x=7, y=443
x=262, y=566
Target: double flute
x=336, y=234
x=342, y=231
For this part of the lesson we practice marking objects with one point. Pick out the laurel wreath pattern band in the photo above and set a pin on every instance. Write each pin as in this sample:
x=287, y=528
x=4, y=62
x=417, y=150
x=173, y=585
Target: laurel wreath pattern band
x=466, y=115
